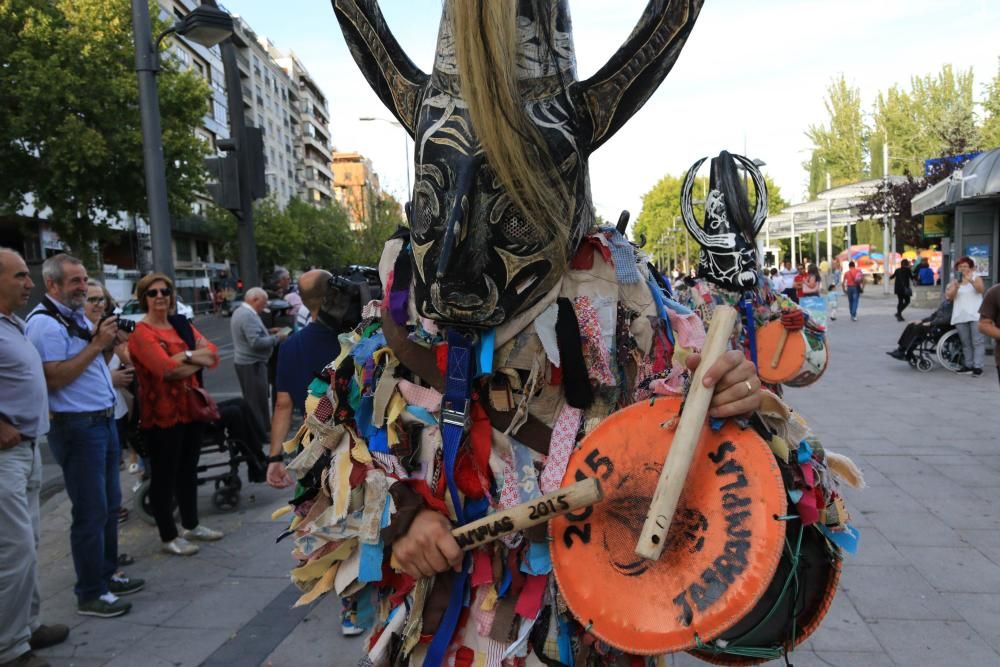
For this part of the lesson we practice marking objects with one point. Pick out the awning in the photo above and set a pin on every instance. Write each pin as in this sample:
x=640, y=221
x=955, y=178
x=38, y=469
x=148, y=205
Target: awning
x=979, y=178
x=930, y=198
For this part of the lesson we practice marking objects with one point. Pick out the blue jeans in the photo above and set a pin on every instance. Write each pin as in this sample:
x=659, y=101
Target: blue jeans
x=853, y=297
x=86, y=449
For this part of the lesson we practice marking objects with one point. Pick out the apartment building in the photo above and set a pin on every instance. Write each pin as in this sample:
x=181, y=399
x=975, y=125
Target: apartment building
x=355, y=184
x=314, y=147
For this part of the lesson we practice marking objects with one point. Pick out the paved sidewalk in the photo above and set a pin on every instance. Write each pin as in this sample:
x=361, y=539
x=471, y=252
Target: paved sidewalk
x=924, y=589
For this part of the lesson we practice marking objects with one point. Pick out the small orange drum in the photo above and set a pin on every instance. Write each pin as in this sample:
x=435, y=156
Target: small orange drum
x=802, y=360
x=722, y=550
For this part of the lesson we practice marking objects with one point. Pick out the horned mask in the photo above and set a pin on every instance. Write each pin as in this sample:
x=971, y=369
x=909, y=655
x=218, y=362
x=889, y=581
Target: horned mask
x=728, y=237
x=487, y=239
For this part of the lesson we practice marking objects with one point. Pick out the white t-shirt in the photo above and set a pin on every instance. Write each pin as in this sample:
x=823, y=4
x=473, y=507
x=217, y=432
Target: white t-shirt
x=967, y=302
x=787, y=277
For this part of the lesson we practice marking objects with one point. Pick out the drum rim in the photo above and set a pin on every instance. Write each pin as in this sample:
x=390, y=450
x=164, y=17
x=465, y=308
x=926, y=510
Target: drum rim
x=771, y=565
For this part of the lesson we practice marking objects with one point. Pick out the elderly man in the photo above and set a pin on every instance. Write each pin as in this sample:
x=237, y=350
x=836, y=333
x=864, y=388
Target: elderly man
x=24, y=416
x=300, y=358
x=83, y=436
x=253, y=345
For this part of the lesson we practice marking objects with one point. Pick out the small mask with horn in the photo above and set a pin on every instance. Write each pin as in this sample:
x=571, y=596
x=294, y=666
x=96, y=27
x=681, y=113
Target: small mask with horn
x=727, y=239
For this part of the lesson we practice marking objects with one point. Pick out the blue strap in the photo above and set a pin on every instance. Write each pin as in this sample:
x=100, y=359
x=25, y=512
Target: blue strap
x=751, y=325
x=454, y=416
x=454, y=408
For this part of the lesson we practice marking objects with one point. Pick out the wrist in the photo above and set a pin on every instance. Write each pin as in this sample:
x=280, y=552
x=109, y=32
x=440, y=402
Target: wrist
x=276, y=458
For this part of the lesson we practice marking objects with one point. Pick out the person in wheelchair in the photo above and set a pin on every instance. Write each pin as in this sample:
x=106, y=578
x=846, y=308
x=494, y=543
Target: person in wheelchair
x=939, y=321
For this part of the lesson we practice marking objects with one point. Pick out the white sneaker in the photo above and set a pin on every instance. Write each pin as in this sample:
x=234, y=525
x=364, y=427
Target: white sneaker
x=179, y=547
x=202, y=534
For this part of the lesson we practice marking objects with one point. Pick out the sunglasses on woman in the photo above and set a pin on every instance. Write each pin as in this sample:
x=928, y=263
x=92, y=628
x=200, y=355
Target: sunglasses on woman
x=163, y=291
x=96, y=299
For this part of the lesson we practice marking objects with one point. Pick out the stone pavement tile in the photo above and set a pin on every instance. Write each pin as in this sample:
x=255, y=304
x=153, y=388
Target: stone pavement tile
x=873, y=549
x=842, y=628
x=172, y=646
x=977, y=476
x=966, y=508
x=928, y=486
x=317, y=642
x=986, y=541
x=804, y=658
x=882, y=499
x=955, y=569
x=914, y=529
x=934, y=643
x=76, y=662
x=897, y=465
x=229, y=603
x=894, y=591
x=982, y=612
x=103, y=638
x=61, y=608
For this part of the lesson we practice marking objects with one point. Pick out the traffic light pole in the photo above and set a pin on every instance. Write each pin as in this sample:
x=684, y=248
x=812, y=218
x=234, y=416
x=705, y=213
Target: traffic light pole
x=238, y=134
x=146, y=67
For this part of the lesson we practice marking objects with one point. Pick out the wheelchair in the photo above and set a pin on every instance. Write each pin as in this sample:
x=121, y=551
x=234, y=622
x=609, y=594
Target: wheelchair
x=935, y=345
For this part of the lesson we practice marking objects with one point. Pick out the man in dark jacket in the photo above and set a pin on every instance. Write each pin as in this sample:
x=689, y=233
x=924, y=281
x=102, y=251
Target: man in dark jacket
x=914, y=331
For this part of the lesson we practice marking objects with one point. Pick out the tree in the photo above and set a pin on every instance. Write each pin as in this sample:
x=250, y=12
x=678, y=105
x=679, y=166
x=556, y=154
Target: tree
x=385, y=215
x=839, y=146
x=300, y=236
x=70, y=133
x=990, y=131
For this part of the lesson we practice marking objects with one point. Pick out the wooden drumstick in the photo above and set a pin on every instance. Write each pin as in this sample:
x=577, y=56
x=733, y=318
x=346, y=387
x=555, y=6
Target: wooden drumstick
x=781, y=348
x=526, y=515
x=692, y=418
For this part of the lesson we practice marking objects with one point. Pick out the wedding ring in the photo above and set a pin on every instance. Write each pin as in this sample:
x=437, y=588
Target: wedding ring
x=749, y=387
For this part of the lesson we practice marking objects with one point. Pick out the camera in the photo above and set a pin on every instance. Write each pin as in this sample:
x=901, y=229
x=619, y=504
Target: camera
x=128, y=326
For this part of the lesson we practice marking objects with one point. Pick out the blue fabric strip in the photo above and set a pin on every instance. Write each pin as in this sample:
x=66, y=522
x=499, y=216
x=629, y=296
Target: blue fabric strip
x=661, y=308
x=423, y=414
x=484, y=360
x=751, y=326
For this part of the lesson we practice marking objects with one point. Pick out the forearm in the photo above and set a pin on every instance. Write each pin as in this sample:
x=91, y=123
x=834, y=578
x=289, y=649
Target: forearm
x=262, y=343
x=281, y=421
x=58, y=374
x=181, y=372
x=422, y=361
x=987, y=328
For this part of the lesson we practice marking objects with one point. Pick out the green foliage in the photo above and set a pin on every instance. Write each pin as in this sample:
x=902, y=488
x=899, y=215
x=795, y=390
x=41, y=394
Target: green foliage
x=70, y=134
x=935, y=117
x=386, y=215
x=990, y=131
x=839, y=146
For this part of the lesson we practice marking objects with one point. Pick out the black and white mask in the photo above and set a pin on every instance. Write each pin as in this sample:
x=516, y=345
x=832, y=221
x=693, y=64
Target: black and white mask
x=477, y=260
x=728, y=237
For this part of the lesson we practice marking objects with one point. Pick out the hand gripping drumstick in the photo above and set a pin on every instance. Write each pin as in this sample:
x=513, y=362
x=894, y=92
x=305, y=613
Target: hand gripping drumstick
x=526, y=515
x=692, y=418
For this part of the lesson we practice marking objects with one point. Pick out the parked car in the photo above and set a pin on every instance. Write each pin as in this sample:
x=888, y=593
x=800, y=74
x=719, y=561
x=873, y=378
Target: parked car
x=276, y=314
x=132, y=311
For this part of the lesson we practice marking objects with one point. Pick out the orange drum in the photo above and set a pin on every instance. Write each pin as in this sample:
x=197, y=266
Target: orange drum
x=722, y=551
x=802, y=359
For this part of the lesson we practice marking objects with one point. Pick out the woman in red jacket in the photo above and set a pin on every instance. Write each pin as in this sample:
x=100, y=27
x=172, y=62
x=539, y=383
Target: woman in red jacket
x=166, y=368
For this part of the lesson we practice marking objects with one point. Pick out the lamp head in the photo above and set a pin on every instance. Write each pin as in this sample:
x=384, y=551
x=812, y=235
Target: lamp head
x=205, y=25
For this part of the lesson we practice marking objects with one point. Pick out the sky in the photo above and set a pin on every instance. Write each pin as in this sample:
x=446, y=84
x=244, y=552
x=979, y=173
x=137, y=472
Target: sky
x=751, y=79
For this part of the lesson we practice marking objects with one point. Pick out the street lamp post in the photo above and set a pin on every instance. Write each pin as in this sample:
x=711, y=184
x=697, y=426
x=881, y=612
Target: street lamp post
x=406, y=148
x=206, y=26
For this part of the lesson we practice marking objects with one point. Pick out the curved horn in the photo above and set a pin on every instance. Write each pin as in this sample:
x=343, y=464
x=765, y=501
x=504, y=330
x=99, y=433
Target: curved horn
x=687, y=212
x=760, y=187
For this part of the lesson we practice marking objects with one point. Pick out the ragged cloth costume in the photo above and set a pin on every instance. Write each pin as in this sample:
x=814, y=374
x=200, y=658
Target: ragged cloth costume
x=547, y=349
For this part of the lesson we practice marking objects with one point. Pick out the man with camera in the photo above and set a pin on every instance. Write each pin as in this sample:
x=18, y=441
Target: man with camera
x=82, y=433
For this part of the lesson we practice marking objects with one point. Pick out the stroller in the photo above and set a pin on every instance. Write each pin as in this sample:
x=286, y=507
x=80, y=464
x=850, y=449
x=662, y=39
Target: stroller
x=238, y=438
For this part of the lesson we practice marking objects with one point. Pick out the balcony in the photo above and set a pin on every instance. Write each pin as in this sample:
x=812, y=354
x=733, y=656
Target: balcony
x=244, y=64
x=318, y=144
